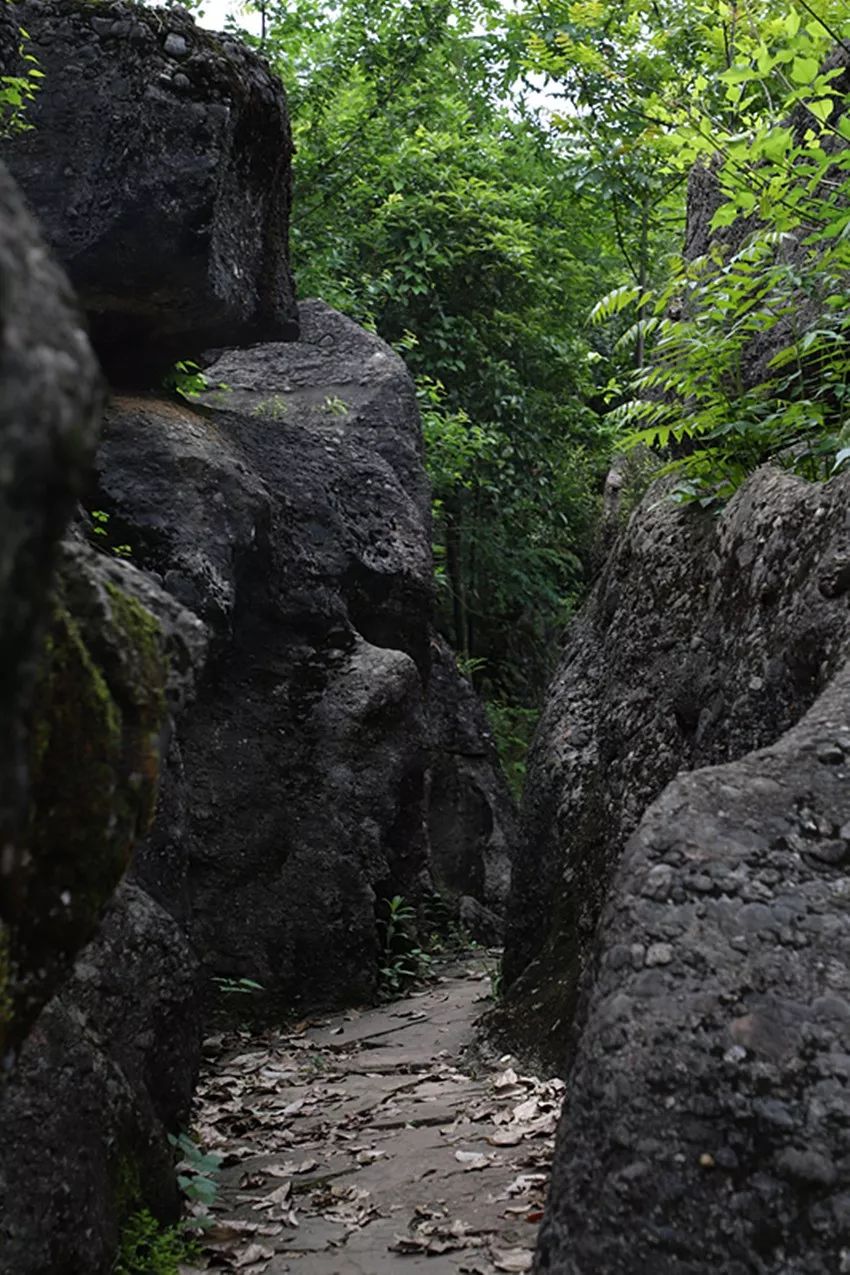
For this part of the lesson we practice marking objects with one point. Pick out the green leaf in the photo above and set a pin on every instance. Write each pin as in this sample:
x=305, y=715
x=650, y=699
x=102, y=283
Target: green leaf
x=821, y=108
x=803, y=70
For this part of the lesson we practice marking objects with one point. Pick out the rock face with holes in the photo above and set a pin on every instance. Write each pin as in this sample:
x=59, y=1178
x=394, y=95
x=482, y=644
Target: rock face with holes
x=291, y=514
x=705, y=637
x=684, y=963
x=705, y=1122
x=172, y=220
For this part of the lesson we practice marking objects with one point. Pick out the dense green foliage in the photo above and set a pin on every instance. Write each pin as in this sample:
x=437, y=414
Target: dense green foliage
x=748, y=338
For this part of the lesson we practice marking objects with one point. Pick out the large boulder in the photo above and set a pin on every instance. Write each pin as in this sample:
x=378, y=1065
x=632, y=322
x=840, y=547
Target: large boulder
x=705, y=637
x=471, y=813
x=49, y=401
x=291, y=513
x=158, y=164
x=706, y=1119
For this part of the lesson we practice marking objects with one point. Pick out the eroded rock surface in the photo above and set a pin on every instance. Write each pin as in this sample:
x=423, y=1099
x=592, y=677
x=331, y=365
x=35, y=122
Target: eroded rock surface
x=705, y=1125
x=107, y=1067
x=172, y=218
x=705, y=637
x=111, y=672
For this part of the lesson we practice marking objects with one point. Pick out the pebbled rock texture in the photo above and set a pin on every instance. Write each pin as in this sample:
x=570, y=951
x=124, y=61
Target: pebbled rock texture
x=706, y=1118
x=704, y=638
x=49, y=401
x=171, y=217
x=471, y=813
x=290, y=512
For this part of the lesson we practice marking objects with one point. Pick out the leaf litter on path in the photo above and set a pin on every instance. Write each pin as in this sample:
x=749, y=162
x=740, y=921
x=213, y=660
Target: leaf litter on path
x=378, y=1144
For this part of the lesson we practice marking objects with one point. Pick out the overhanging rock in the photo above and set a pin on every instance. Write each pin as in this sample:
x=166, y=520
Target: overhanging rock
x=158, y=164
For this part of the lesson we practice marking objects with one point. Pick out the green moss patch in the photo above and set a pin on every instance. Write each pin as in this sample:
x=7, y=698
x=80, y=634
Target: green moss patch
x=95, y=743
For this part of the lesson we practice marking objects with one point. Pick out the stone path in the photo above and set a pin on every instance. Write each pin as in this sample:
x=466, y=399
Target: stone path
x=361, y=1146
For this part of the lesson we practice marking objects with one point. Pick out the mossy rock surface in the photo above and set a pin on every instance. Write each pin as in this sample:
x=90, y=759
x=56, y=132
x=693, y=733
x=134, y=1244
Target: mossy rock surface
x=97, y=734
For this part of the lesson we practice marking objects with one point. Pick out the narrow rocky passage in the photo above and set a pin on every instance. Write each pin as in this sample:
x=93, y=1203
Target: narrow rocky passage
x=366, y=1144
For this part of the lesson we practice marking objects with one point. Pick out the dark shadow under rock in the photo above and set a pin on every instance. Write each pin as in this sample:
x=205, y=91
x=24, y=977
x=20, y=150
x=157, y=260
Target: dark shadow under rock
x=108, y=1066
x=471, y=814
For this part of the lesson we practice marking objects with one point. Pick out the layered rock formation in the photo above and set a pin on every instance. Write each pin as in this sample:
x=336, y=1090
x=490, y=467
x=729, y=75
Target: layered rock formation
x=226, y=687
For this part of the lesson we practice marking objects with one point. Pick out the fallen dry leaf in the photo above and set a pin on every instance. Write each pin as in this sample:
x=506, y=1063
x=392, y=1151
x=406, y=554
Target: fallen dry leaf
x=514, y=1259
x=506, y=1138
x=473, y=1160
x=253, y=1253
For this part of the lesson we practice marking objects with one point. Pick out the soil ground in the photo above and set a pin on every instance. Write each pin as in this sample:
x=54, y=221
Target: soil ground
x=368, y=1143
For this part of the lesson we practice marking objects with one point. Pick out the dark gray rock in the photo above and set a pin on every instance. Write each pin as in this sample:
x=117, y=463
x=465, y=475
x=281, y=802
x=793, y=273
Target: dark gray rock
x=49, y=401
x=705, y=637
x=471, y=814
x=117, y=659
x=706, y=1118
x=291, y=512
x=172, y=219
x=107, y=1069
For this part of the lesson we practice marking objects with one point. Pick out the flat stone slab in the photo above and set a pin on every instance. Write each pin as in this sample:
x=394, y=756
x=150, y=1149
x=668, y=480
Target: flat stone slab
x=363, y=1145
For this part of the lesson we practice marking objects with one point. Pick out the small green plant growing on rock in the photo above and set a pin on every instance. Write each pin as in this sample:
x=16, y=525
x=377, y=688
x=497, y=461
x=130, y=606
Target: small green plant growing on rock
x=147, y=1248
x=496, y=976
x=335, y=406
x=276, y=407
x=18, y=91
x=196, y=1171
x=187, y=380
x=100, y=528
x=402, y=958
x=237, y=986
